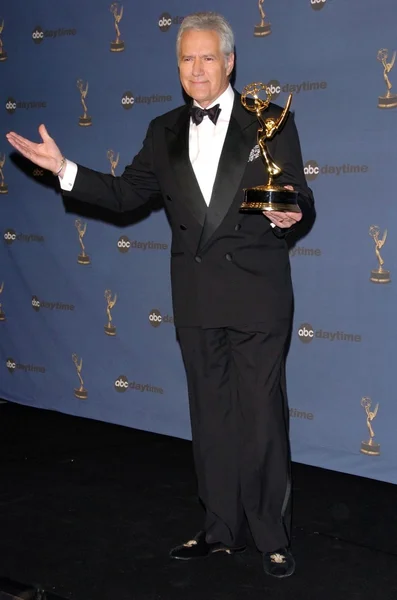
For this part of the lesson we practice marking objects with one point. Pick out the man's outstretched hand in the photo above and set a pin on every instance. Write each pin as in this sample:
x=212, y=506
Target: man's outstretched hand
x=46, y=155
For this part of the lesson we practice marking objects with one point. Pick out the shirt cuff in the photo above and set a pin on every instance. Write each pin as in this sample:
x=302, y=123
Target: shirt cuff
x=69, y=176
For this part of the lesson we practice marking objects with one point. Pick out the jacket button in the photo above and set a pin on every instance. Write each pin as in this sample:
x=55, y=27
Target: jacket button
x=183, y=227
x=238, y=227
x=228, y=257
x=169, y=198
x=197, y=259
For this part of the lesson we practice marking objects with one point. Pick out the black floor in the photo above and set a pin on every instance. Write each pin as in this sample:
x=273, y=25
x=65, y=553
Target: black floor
x=89, y=511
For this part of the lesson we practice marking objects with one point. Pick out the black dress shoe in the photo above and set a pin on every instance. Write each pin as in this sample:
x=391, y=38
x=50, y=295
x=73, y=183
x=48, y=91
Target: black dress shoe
x=279, y=564
x=199, y=548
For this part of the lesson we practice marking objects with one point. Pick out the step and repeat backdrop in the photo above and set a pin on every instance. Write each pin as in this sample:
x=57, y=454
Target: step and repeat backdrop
x=86, y=323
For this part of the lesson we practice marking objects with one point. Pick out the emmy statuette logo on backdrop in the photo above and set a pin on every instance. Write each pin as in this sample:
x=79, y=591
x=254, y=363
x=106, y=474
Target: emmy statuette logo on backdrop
x=2, y=315
x=80, y=392
x=379, y=275
x=113, y=161
x=3, y=53
x=389, y=100
x=117, y=12
x=109, y=328
x=370, y=447
x=84, y=120
x=3, y=185
x=267, y=197
x=263, y=28
x=83, y=258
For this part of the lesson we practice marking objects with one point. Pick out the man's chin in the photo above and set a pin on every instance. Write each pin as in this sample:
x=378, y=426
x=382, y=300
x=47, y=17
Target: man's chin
x=200, y=98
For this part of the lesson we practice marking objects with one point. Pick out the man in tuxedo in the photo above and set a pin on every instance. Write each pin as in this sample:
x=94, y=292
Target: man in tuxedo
x=231, y=286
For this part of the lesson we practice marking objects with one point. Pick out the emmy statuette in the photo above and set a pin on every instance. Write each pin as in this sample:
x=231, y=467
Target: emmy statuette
x=110, y=329
x=2, y=314
x=117, y=11
x=80, y=392
x=84, y=119
x=3, y=53
x=268, y=197
x=370, y=447
x=83, y=258
x=3, y=185
x=263, y=28
x=379, y=275
x=389, y=100
x=113, y=161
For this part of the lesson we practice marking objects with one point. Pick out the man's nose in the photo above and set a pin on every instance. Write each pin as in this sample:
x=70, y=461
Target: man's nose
x=197, y=67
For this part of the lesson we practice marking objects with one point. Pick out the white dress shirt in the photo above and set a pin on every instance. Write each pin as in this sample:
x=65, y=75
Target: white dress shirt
x=205, y=147
x=206, y=142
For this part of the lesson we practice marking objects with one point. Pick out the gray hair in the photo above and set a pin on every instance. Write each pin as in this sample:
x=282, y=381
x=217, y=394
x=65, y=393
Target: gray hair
x=209, y=21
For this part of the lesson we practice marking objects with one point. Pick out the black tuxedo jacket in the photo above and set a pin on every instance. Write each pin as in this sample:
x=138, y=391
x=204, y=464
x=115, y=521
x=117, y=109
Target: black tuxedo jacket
x=227, y=267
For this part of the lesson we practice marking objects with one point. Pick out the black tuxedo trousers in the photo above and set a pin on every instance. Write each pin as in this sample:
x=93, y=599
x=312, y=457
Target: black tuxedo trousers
x=239, y=416
x=232, y=299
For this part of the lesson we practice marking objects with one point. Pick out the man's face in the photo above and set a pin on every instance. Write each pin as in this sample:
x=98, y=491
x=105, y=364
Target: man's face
x=203, y=68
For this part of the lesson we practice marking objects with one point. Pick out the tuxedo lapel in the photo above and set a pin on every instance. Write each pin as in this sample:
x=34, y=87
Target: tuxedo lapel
x=178, y=147
x=233, y=161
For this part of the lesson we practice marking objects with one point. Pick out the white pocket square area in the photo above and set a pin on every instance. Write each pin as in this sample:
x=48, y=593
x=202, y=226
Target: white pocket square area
x=255, y=153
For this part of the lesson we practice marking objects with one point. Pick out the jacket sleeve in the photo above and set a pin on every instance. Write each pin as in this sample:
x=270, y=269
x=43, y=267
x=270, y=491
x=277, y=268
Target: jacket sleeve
x=288, y=156
x=136, y=186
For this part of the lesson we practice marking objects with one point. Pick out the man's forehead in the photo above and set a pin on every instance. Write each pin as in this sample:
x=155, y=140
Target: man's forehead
x=200, y=37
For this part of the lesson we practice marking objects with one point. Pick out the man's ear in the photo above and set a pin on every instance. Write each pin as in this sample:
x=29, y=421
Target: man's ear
x=230, y=64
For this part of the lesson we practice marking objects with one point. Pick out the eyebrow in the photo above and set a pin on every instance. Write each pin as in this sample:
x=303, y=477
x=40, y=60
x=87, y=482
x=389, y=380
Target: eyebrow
x=200, y=56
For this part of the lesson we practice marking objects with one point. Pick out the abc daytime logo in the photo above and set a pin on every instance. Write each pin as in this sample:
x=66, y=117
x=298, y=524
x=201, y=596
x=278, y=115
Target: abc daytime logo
x=12, y=366
x=122, y=385
x=124, y=244
x=312, y=169
x=307, y=334
x=165, y=21
x=128, y=100
x=12, y=104
x=317, y=4
x=295, y=413
x=10, y=236
x=38, y=34
x=155, y=318
x=302, y=251
x=274, y=87
x=37, y=304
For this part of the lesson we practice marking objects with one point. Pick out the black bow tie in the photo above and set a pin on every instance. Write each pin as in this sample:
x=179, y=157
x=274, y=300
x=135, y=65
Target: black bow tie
x=198, y=113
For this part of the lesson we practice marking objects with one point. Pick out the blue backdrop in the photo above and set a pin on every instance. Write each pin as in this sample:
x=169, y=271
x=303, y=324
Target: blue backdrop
x=61, y=267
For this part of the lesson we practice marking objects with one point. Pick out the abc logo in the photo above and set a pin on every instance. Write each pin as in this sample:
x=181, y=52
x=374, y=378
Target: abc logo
x=123, y=244
x=306, y=333
x=127, y=101
x=155, y=318
x=165, y=22
x=9, y=236
x=317, y=4
x=273, y=87
x=37, y=35
x=11, y=105
x=121, y=384
x=11, y=365
x=36, y=303
x=38, y=173
x=311, y=170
